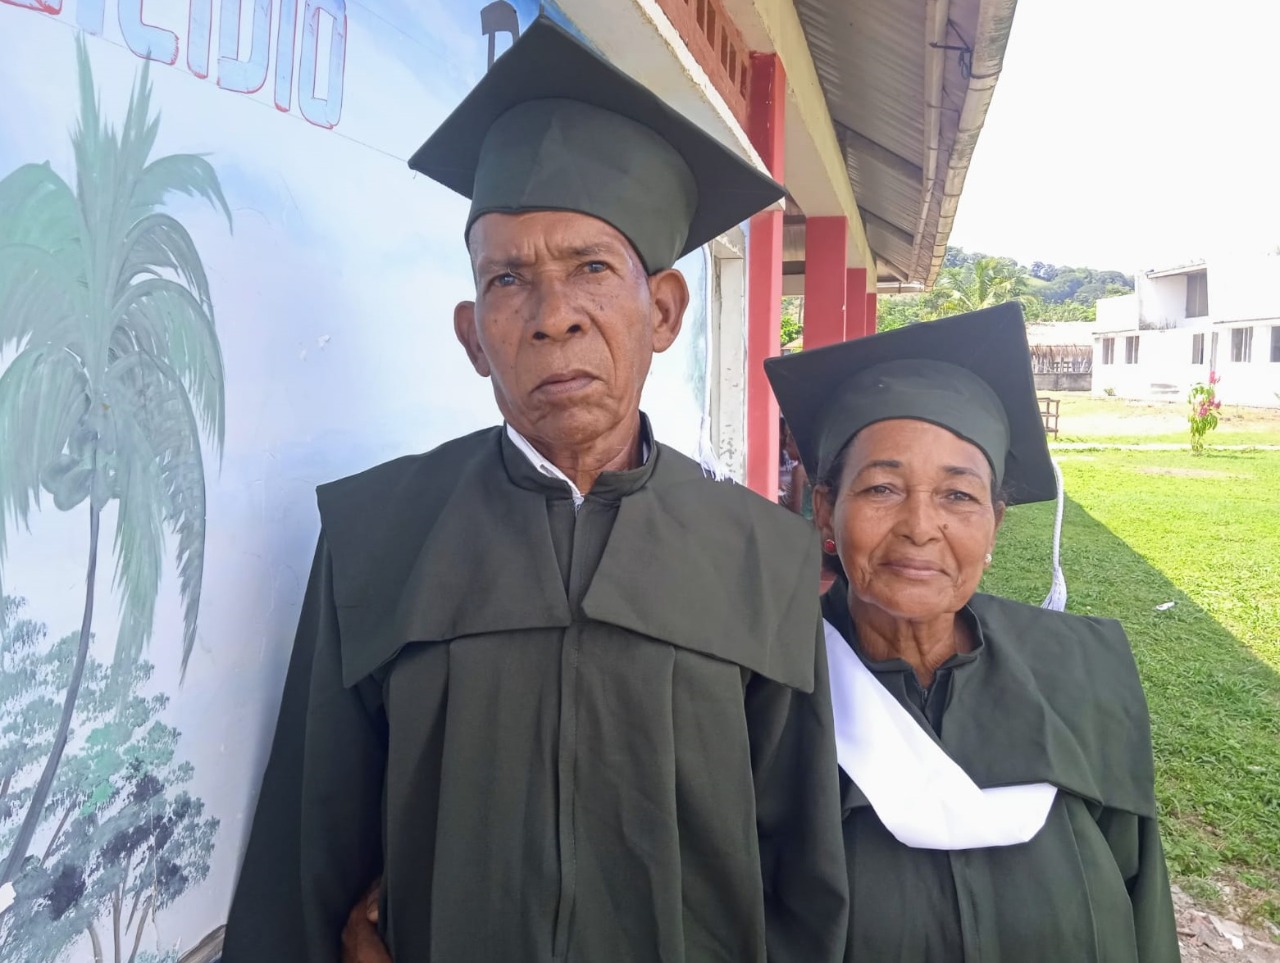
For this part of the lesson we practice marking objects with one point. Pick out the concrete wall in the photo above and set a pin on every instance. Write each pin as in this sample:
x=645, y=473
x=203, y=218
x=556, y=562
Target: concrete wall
x=328, y=347
x=1063, y=380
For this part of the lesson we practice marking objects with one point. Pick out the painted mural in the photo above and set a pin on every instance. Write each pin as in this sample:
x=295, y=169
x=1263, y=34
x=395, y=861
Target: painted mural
x=219, y=287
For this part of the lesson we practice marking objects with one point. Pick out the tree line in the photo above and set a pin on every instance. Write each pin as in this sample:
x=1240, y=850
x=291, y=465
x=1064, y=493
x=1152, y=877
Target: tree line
x=971, y=281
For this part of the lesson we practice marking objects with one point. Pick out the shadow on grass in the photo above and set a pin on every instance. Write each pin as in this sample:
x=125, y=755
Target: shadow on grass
x=1215, y=707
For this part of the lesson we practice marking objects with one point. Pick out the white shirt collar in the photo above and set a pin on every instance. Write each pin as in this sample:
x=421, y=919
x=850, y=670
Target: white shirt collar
x=543, y=465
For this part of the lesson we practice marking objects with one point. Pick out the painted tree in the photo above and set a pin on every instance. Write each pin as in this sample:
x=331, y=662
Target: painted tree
x=125, y=839
x=117, y=374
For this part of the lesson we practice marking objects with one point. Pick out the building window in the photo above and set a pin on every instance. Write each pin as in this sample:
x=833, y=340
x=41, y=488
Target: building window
x=1198, y=294
x=1108, y=350
x=1197, y=349
x=1131, y=349
x=1242, y=344
x=1275, y=344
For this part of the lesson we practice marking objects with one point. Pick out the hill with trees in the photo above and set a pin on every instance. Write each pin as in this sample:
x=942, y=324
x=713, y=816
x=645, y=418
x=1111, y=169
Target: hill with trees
x=968, y=282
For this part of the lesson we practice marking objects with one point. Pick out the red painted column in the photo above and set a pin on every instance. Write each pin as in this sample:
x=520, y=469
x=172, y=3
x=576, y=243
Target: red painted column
x=870, y=327
x=826, y=249
x=765, y=116
x=855, y=318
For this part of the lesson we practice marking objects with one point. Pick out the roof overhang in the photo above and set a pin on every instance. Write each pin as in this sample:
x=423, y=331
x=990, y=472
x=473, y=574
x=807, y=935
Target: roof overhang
x=1192, y=268
x=907, y=85
x=885, y=101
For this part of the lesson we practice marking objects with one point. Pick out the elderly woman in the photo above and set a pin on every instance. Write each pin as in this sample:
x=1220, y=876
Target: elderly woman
x=995, y=758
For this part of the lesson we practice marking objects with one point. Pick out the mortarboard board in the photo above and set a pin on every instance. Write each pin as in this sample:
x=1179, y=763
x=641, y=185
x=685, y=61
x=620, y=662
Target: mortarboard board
x=552, y=126
x=970, y=374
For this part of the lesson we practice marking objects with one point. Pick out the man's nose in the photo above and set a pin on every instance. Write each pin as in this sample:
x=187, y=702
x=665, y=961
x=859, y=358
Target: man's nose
x=556, y=313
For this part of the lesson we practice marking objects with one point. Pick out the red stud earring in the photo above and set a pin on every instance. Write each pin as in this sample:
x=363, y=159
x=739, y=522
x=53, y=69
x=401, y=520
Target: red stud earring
x=829, y=546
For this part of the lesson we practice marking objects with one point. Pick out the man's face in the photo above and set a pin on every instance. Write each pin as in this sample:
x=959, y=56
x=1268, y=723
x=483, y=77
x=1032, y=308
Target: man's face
x=565, y=322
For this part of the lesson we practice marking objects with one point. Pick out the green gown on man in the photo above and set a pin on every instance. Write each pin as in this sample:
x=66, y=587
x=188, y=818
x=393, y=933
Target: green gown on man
x=1042, y=697
x=591, y=735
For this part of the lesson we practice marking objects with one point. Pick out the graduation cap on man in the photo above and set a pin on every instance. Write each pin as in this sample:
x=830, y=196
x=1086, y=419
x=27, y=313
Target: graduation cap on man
x=553, y=126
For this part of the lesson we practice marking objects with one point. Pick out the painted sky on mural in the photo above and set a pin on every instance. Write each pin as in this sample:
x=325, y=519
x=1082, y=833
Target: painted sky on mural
x=334, y=301
x=1130, y=135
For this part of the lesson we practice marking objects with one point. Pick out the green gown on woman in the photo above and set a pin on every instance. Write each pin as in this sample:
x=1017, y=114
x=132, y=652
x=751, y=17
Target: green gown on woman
x=1043, y=697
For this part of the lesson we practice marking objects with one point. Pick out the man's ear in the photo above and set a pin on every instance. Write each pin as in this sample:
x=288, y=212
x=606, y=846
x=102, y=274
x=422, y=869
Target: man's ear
x=669, y=297
x=464, y=327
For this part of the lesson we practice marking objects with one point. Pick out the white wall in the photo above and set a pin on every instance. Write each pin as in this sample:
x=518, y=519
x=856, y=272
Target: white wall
x=1254, y=382
x=1162, y=301
x=1118, y=313
x=1164, y=371
x=1245, y=289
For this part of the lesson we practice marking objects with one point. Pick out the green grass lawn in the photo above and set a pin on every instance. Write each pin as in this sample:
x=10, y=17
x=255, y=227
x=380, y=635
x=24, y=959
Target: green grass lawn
x=1221, y=437
x=1145, y=528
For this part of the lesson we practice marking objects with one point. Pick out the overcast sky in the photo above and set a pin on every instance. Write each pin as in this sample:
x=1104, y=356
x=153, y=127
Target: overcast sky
x=1130, y=134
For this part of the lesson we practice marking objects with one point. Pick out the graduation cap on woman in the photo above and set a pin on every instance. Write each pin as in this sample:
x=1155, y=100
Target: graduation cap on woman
x=553, y=126
x=970, y=374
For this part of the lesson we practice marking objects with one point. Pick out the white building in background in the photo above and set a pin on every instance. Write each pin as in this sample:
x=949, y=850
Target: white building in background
x=1182, y=323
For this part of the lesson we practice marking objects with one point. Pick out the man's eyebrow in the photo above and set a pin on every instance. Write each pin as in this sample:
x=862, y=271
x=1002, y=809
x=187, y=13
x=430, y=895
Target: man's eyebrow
x=501, y=263
x=962, y=470
x=591, y=250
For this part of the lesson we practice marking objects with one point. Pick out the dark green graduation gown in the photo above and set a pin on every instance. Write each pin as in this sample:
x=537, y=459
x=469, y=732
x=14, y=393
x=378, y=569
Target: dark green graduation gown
x=1044, y=697
x=601, y=735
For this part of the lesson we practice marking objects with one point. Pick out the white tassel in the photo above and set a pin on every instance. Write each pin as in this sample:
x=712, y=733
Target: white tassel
x=707, y=457
x=1057, y=597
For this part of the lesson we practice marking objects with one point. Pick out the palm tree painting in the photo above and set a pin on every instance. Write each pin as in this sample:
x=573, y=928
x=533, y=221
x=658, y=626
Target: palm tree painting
x=115, y=375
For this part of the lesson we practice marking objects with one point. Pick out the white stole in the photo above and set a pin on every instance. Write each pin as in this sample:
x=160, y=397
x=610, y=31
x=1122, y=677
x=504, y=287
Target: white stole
x=919, y=793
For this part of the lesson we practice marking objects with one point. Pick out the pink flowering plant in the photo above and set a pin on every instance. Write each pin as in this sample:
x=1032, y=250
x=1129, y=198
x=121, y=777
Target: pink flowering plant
x=1203, y=416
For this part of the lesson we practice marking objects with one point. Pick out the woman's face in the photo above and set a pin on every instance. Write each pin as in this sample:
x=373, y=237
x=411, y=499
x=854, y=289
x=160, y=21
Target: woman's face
x=913, y=518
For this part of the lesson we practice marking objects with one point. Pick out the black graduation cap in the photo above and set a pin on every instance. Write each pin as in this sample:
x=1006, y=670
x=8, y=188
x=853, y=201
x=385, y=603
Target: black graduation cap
x=970, y=374
x=552, y=126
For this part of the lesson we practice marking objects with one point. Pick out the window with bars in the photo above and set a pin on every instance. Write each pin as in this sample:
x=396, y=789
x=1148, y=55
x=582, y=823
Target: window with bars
x=1108, y=350
x=1197, y=349
x=1242, y=344
x=1275, y=344
x=1131, y=349
x=1198, y=294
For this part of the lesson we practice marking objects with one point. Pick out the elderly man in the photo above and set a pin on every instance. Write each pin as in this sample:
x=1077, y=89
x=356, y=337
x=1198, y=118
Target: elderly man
x=556, y=687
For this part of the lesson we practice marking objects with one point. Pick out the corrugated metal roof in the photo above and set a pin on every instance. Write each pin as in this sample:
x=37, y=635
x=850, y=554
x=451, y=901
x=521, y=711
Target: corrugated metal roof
x=871, y=58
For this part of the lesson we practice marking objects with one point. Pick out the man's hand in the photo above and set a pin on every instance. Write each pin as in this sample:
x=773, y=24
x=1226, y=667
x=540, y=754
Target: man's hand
x=360, y=940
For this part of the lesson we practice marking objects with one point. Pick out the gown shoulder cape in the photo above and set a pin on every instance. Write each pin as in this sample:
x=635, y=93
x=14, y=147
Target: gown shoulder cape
x=1044, y=697
x=572, y=736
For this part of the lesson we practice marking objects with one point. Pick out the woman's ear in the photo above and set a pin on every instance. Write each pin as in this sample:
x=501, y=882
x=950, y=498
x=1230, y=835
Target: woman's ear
x=823, y=509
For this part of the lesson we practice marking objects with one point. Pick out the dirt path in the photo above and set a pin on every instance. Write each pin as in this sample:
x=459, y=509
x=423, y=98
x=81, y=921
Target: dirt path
x=1207, y=938
x=1082, y=416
